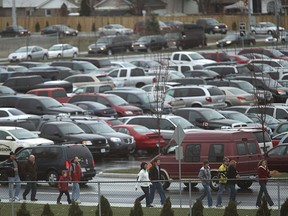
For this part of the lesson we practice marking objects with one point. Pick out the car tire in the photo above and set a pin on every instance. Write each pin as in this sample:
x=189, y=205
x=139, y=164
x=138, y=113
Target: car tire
x=214, y=184
x=52, y=178
x=253, y=32
x=269, y=32
x=139, y=85
x=149, y=50
x=187, y=184
x=228, y=104
x=109, y=52
x=251, y=43
x=59, y=56
x=45, y=57
x=244, y=184
x=127, y=50
x=166, y=183
x=74, y=55
x=29, y=57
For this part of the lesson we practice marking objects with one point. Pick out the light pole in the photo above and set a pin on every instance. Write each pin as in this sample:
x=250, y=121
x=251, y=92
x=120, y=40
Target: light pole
x=14, y=18
x=144, y=20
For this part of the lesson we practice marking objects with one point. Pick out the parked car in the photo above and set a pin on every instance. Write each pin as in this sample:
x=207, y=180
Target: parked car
x=120, y=144
x=150, y=43
x=204, y=74
x=237, y=40
x=12, y=114
x=277, y=158
x=28, y=53
x=111, y=44
x=145, y=138
x=216, y=56
x=96, y=109
x=63, y=51
x=92, y=88
x=53, y=159
x=277, y=111
x=79, y=66
x=14, y=31
x=271, y=53
x=265, y=28
x=57, y=93
x=122, y=107
x=15, y=138
x=282, y=39
x=114, y=29
x=212, y=26
x=235, y=96
x=207, y=118
x=61, y=30
x=199, y=96
x=140, y=28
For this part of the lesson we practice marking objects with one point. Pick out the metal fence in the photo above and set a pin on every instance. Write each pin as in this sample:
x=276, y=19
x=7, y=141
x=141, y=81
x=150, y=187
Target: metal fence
x=122, y=193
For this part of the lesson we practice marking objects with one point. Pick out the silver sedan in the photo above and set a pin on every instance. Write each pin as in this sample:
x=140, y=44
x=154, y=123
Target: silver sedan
x=28, y=53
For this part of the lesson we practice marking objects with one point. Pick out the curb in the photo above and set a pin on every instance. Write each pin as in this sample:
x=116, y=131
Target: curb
x=117, y=175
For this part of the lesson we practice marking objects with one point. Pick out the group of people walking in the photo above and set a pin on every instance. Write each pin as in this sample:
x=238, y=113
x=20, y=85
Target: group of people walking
x=228, y=176
x=150, y=182
x=29, y=170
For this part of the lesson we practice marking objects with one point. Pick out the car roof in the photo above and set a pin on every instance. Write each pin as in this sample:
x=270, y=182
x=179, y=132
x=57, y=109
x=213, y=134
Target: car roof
x=9, y=128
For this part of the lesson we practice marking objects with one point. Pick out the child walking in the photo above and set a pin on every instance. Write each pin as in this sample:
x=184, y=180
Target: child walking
x=63, y=186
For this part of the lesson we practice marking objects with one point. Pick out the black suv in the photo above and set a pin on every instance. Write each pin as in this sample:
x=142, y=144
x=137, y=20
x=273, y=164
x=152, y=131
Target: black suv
x=150, y=43
x=52, y=159
x=111, y=44
x=213, y=26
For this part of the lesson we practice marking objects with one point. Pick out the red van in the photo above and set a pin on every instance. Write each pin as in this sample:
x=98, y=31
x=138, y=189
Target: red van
x=213, y=146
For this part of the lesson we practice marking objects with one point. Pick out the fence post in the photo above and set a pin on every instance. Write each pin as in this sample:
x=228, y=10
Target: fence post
x=278, y=194
x=190, y=198
x=99, y=198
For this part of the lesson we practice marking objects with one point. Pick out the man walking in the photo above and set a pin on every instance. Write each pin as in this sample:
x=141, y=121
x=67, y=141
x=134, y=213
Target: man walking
x=222, y=180
x=30, y=171
x=13, y=177
x=155, y=177
x=75, y=174
x=205, y=177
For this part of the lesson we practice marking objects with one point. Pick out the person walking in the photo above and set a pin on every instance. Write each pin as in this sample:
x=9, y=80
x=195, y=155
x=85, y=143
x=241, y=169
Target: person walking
x=222, y=171
x=144, y=182
x=30, y=172
x=63, y=187
x=75, y=174
x=263, y=175
x=12, y=171
x=155, y=177
x=232, y=176
x=205, y=177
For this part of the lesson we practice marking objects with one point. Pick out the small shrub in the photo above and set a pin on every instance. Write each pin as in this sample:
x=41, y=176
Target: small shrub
x=7, y=24
x=105, y=208
x=23, y=210
x=137, y=209
x=93, y=28
x=47, y=211
x=37, y=27
x=231, y=209
x=197, y=208
x=234, y=26
x=167, y=210
x=284, y=208
x=74, y=210
x=79, y=27
x=47, y=24
x=263, y=209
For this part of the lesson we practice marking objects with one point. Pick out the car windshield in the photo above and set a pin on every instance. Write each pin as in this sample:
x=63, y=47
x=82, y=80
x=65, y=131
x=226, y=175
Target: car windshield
x=272, y=83
x=56, y=48
x=262, y=137
x=212, y=115
x=143, y=39
x=23, y=134
x=230, y=37
x=265, y=68
x=117, y=101
x=17, y=69
x=237, y=91
x=246, y=86
x=182, y=122
x=88, y=66
x=147, y=97
x=16, y=112
x=196, y=56
x=212, y=21
x=277, y=53
x=47, y=102
x=104, y=40
x=240, y=117
x=100, y=127
x=23, y=49
x=284, y=63
x=142, y=130
x=70, y=129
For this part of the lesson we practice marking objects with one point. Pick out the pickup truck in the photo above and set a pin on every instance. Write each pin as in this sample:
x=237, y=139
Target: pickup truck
x=133, y=77
x=14, y=31
x=189, y=57
x=57, y=93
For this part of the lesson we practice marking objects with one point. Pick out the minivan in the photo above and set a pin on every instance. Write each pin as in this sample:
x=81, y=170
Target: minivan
x=213, y=146
x=52, y=159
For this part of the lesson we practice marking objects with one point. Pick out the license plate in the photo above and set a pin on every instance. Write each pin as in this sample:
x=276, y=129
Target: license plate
x=103, y=150
x=83, y=169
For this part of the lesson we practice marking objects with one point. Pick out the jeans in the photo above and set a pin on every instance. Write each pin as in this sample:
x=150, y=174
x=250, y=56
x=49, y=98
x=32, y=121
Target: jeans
x=157, y=186
x=30, y=186
x=145, y=195
x=232, y=191
x=14, y=180
x=207, y=192
x=263, y=189
x=75, y=191
x=60, y=195
x=221, y=189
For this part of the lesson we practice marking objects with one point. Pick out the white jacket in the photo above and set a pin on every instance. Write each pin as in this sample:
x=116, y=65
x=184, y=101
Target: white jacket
x=143, y=179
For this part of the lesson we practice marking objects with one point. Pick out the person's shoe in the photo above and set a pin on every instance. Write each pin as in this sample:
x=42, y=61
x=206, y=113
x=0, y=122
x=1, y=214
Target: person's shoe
x=219, y=206
x=150, y=206
x=59, y=203
x=34, y=199
x=271, y=205
x=16, y=198
x=238, y=203
x=24, y=197
x=11, y=199
x=78, y=201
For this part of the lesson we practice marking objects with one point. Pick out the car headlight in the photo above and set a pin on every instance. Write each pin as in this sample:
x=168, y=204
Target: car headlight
x=228, y=42
x=128, y=112
x=67, y=32
x=281, y=92
x=103, y=48
x=86, y=142
x=115, y=139
x=216, y=27
x=141, y=45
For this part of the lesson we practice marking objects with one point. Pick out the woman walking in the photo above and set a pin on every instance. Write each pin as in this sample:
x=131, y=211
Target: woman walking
x=263, y=175
x=144, y=182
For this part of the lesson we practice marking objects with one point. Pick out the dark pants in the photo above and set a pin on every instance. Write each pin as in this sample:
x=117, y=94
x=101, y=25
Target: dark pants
x=157, y=186
x=263, y=189
x=60, y=196
x=30, y=186
x=232, y=191
x=145, y=195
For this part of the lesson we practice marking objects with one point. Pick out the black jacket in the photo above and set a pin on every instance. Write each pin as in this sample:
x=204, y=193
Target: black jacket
x=231, y=175
x=30, y=171
x=154, y=173
x=9, y=168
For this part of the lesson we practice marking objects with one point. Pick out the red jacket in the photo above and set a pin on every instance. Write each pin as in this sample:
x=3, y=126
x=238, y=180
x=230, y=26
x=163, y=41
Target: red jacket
x=75, y=172
x=63, y=183
x=263, y=174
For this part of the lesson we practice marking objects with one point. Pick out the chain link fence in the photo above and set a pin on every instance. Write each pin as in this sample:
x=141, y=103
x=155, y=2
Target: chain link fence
x=122, y=193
